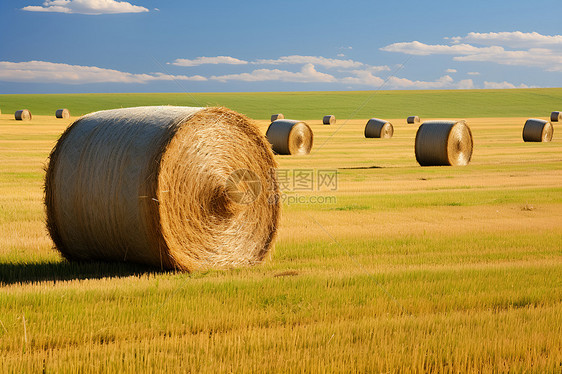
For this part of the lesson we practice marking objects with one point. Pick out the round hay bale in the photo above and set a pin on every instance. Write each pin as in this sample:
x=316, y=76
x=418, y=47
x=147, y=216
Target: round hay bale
x=443, y=143
x=329, y=120
x=62, y=113
x=174, y=187
x=555, y=116
x=23, y=115
x=275, y=117
x=378, y=128
x=413, y=119
x=537, y=130
x=290, y=137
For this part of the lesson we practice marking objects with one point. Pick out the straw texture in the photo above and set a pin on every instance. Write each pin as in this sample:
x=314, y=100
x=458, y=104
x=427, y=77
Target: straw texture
x=555, y=116
x=275, y=117
x=174, y=187
x=290, y=137
x=22, y=115
x=62, y=113
x=413, y=119
x=537, y=130
x=329, y=120
x=378, y=128
x=443, y=143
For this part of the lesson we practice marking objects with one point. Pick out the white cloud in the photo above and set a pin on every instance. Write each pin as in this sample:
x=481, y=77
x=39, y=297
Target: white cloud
x=307, y=74
x=341, y=54
x=359, y=77
x=366, y=78
x=376, y=69
x=315, y=60
x=421, y=49
x=208, y=60
x=451, y=71
x=543, y=58
x=92, y=7
x=473, y=73
x=284, y=60
x=515, y=39
x=49, y=72
x=535, y=57
x=444, y=82
x=363, y=77
x=503, y=85
x=465, y=84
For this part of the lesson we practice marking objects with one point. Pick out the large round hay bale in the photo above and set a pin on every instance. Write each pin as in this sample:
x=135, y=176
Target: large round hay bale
x=537, y=130
x=329, y=120
x=175, y=187
x=62, y=113
x=555, y=116
x=443, y=143
x=22, y=115
x=275, y=117
x=413, y=119
x=378, y=128
x=290, y=137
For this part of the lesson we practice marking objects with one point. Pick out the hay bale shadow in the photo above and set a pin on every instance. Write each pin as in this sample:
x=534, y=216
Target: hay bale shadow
x=361, y=167
x=14, y=273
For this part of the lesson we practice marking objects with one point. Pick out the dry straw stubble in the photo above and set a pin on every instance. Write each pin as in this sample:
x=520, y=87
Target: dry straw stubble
x=62, y=113
x=537, y=130
x=443, y=143
x=290, y=137
x=22, y=115
x=329, y=120
x=379, y=128
x=163, y=186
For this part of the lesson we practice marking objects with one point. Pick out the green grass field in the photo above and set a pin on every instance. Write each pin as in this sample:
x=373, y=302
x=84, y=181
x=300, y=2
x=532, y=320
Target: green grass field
x=314, y=105
x=401, y=268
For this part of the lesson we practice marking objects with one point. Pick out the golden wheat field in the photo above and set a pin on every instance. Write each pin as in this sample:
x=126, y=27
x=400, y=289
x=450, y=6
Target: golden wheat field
x=380, y=265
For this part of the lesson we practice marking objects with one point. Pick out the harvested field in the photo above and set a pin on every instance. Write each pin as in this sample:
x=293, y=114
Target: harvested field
x=434, y=268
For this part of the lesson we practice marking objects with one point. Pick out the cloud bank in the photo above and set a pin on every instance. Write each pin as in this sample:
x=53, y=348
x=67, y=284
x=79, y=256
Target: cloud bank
x=308, y=74
x=316, y=60
x=50, y=72
x=503, y=85
x=329, y=63
x=533, y=50
x=516, y=39
x=347, y=73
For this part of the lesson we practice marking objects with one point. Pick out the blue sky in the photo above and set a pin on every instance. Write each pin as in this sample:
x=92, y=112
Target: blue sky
x=68, y=46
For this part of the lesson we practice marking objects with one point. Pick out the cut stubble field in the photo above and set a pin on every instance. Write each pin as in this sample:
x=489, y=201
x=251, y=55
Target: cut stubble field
x=397, y=268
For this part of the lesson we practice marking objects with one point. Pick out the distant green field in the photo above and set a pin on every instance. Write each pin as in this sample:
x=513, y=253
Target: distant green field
x=312, y=105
